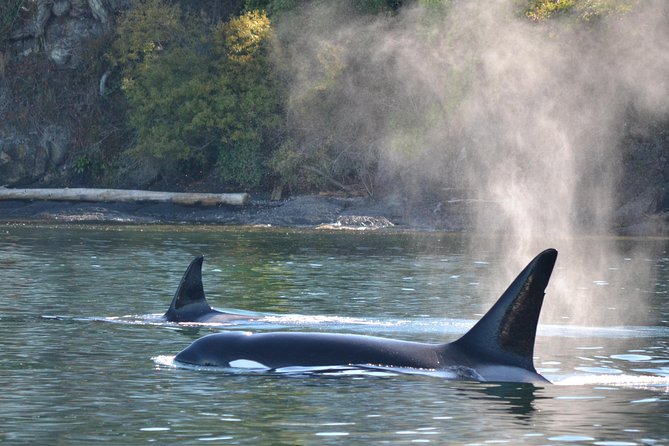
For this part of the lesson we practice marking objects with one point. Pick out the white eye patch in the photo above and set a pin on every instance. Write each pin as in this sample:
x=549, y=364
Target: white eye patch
x=247, y=364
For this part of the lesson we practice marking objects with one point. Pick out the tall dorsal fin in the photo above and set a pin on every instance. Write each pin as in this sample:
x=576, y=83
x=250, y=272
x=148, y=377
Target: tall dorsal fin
x=189, y=301
x=506, y=333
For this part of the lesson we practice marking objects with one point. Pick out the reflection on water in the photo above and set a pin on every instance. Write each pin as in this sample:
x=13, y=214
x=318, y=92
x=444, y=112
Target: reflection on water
x=78, y=342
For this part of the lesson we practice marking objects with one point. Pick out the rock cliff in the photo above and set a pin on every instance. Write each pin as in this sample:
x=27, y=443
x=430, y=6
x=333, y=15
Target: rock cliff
x=45, y=49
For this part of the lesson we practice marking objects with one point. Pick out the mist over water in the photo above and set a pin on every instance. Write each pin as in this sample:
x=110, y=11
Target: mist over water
x=524, y=120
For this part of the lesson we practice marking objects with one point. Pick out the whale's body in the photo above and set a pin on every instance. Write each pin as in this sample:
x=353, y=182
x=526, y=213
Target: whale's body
x=499, y=347
x=189, y=303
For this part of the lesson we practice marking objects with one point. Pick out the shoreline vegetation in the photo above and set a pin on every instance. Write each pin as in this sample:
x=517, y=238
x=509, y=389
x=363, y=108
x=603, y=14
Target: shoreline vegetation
x=433, y=114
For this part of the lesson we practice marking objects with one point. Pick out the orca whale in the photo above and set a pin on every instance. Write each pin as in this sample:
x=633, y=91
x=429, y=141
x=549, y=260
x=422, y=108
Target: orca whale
x=190, y=304
x=499, y=347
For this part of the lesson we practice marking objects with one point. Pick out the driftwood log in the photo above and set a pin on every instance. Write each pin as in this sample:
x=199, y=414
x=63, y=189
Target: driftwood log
x=119, y=195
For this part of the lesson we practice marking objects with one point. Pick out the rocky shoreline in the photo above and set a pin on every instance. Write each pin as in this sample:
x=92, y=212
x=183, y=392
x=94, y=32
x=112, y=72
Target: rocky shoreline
x=301, y=211
x=308, y=211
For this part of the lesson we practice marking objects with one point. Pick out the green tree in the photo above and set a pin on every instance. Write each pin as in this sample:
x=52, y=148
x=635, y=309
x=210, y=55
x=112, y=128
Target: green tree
x=204, y=98
x=249, y=100
x=144, y=31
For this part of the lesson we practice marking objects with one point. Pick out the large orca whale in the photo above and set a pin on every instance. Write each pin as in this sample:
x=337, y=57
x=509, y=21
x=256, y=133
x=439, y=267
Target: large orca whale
x=189, y=303
x=499, y=347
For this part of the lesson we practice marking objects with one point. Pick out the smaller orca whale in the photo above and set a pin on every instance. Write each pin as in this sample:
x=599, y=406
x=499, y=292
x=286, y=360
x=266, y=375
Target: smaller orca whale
x=190, y=304
x=499, y=347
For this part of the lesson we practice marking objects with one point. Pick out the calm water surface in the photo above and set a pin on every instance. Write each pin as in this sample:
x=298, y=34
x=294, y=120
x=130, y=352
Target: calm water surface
x=84, y=362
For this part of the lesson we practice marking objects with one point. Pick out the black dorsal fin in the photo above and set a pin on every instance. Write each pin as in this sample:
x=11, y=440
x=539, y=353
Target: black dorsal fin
x=506, y=333
x=189, y=301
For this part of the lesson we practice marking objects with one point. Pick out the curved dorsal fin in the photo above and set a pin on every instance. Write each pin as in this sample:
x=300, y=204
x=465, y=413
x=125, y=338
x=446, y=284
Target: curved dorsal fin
x=506, y=333
x=189, y=301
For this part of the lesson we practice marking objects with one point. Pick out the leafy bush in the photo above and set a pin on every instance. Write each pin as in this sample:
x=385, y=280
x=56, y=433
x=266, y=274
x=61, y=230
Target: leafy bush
x=205, y=97
x=201, y=96
x=584, y=10
x=144, y=30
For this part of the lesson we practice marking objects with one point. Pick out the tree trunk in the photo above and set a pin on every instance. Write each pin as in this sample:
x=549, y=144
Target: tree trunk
x=118, y=195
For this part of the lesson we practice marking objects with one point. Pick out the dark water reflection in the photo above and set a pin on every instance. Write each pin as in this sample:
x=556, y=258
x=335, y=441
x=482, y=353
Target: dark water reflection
x=69, y=376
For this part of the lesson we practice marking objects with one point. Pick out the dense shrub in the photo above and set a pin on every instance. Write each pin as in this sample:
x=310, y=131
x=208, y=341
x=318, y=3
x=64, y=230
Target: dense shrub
x=205, y=96
x=200, y=95
x=584, y=10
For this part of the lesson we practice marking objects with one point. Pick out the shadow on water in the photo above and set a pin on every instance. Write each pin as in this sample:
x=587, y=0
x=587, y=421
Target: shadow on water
x=517, y=399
